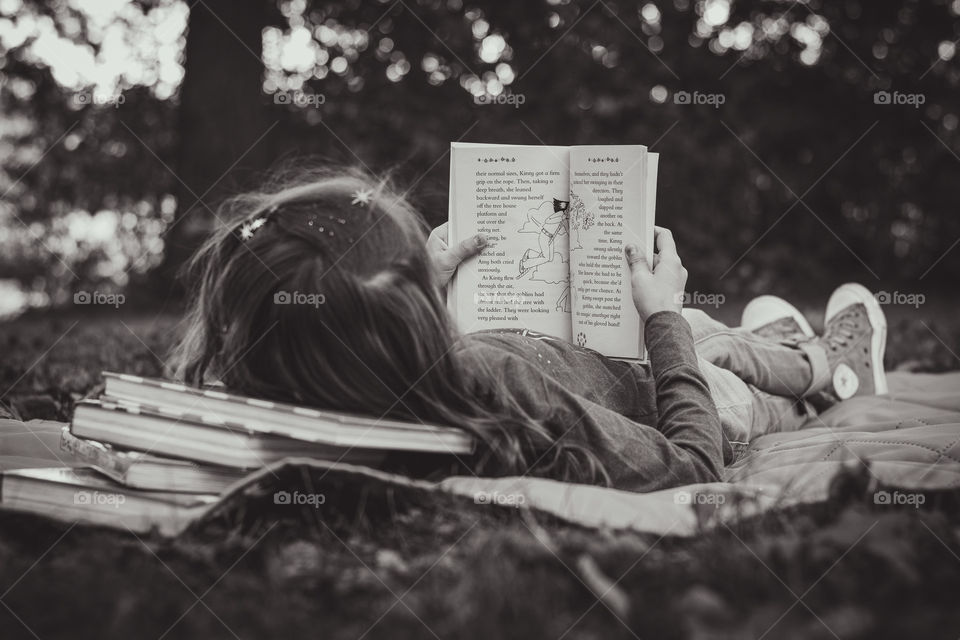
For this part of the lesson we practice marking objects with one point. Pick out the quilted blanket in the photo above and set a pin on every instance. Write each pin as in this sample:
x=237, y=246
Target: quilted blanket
x=904, y=444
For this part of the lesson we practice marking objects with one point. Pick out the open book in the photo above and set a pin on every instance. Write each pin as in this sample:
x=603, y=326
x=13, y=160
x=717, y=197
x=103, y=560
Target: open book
x=558, y=219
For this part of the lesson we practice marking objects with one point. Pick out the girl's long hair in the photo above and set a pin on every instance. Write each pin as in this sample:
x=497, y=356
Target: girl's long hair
x=319, y=291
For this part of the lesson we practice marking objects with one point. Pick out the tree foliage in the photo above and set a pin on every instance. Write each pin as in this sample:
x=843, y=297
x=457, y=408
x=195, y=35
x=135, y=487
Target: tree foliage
x=798, y=174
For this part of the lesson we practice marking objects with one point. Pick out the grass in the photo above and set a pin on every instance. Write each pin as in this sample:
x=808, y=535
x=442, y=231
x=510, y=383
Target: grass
x=379, y=562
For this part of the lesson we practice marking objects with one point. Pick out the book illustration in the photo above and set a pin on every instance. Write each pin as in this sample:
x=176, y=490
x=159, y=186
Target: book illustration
x=547, y=225
x=544, y=262
x=580, y=219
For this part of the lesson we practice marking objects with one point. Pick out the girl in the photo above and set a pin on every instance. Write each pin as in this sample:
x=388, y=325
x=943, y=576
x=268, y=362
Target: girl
x=381, y=343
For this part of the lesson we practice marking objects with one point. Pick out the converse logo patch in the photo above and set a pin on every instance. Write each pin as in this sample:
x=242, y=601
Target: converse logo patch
x=845, y=381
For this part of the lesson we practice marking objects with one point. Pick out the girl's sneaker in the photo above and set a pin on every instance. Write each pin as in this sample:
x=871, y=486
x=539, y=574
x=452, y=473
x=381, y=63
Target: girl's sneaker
x=854, y=338
x=776, y=319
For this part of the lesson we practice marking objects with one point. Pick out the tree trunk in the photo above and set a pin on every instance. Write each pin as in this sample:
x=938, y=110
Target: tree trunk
x=222, y=116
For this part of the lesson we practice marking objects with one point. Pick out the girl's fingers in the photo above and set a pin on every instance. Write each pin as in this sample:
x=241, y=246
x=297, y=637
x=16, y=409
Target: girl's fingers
x=664, y=240
x=665, y=244
x=438, y=237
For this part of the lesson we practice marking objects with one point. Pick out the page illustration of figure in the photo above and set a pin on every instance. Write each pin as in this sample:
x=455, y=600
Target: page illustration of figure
x=544, y=263
x=547, y=230
x=580, y=219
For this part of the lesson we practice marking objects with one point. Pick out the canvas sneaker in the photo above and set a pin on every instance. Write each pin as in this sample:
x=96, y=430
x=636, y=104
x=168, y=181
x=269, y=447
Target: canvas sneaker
x=776, y=319
x=854, y=338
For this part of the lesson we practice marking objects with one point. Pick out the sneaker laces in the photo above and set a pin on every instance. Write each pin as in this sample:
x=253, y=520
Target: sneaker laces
x=843, y=329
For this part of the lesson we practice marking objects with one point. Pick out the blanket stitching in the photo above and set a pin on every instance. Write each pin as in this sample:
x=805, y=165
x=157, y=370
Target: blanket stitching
x=920, y=420
x=839, y=443
x=947, y=447
x=901, y=443
x=747, y=476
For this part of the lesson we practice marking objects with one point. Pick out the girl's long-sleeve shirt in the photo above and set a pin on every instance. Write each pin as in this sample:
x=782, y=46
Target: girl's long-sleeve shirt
x=652, y=426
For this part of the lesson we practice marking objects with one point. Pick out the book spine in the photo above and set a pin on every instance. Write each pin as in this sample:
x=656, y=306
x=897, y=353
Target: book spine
x=95, y=454
x=177, y=415
x=213, y=394
x=278, y=407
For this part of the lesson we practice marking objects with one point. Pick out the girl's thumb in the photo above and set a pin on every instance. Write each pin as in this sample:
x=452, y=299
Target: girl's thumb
x=634, y=254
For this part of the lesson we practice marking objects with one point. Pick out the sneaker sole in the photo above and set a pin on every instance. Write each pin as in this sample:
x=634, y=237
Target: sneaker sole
x=878, y=321
x=758, y=303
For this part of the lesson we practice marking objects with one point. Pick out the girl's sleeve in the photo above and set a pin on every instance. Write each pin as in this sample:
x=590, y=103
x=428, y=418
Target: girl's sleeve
x=687, y=414
x=685, y=445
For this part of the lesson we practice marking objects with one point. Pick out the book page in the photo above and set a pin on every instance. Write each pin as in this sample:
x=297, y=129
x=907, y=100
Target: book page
x=517, y=195
x=610, y=206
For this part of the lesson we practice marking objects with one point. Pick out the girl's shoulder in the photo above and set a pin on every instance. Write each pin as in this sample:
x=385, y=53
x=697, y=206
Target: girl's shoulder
x=488, y=343
x=503, y=362
x=509, y=349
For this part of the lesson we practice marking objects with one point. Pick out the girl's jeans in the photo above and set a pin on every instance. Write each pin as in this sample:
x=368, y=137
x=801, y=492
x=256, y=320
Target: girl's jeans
x=758, y=385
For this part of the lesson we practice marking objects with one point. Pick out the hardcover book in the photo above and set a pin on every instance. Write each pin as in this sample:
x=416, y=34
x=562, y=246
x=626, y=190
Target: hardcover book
x=83, y=495
x=214, y=407
x=147, y=471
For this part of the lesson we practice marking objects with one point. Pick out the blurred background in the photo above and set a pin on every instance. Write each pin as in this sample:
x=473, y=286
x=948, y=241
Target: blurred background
x=803, y=143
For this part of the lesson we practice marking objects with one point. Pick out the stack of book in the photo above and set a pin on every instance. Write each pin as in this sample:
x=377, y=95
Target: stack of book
x=158, y=454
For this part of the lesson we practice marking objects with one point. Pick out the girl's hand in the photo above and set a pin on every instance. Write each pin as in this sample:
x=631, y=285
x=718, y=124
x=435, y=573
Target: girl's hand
x=660, y=288
x=446, y=259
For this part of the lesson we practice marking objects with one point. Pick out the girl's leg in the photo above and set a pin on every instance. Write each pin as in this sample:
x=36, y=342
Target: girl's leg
x=782, y=369
x=745, y=411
